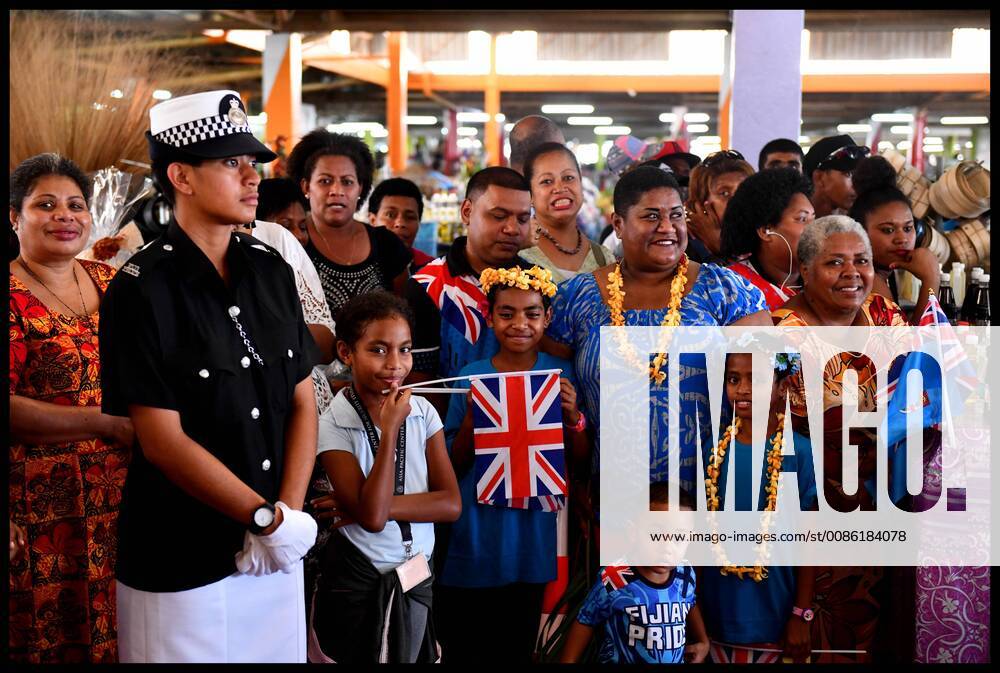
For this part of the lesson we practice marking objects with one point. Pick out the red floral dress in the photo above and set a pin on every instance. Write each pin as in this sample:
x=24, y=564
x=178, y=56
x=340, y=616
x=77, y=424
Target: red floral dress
x=65, y=496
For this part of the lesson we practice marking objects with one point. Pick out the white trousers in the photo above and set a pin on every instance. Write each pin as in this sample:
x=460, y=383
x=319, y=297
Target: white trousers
x=240, y=619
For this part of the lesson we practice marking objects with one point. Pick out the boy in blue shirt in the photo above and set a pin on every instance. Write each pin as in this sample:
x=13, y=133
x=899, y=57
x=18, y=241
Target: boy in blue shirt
x=498, y=559
x=648, y=612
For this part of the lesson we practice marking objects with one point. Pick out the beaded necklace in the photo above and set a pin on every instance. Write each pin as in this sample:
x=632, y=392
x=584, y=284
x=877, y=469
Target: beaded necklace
x=758, y=571
x=616, y=299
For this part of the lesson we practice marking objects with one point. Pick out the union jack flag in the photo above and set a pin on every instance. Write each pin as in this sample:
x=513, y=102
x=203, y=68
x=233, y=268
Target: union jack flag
x=616, y=577
x=518, y=438
x=459, y=298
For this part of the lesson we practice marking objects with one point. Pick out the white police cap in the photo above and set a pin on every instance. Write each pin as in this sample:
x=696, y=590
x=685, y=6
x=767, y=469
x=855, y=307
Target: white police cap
x=209, y=125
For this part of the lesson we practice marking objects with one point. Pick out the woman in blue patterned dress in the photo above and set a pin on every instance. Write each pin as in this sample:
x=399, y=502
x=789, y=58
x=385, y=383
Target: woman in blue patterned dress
x=649, y=220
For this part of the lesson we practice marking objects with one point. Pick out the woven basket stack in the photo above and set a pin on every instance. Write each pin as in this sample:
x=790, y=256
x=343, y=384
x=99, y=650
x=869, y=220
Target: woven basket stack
x=962, y=192
x=911, y=182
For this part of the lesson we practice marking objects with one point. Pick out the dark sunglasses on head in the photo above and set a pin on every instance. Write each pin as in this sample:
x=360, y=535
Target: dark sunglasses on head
x=716, y=157
x=848, y=152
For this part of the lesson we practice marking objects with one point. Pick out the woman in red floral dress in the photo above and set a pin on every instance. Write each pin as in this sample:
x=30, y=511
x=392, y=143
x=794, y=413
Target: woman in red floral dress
x=67, y=459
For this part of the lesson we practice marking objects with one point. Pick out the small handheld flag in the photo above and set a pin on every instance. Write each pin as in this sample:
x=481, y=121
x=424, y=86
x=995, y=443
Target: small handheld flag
x=518, y=439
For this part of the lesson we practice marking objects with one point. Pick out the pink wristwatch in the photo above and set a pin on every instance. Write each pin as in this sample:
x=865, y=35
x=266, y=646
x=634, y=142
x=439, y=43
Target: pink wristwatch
x=805, y=613
x=581, y=424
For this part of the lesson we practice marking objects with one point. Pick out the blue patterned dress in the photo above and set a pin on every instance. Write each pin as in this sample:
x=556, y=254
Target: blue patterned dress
x=718, y=297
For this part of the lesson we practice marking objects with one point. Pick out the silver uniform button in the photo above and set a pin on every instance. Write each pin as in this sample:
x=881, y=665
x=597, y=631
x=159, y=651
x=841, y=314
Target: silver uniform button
x=245, y=362
x=168, y=247
x=255, y=413
x=203, y=373
x=234, y=311
x=266, y=465
x=290, y=352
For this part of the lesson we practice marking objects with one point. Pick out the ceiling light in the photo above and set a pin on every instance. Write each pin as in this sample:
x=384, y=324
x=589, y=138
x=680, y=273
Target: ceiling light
x=903, y=145
x=709, y=139
x=590, y=121
x=854, y=128
x=473, y=117
x=885, y=145
x=803, y=139
x=162, y=94
x=968, y=145
x=375, y=128
x=668, y=117
x=957, y=121
x=567, y=109
x=117, y=93
x=507, y=128
x=420, y=120
x=213, y=32
x=934, y=140
x=467, y=131
x=934, y=149
x=901, y=130
x=444, y=131
x=892, y=117
x=695, y=118
x=698, y=128
x=612, y=130
x=499, y=117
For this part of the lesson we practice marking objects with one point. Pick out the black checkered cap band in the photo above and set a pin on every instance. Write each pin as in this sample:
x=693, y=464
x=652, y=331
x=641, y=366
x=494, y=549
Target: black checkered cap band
x=199, y=130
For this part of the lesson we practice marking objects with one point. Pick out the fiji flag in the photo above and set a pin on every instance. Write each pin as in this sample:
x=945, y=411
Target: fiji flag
x=520, y=459
x=949, y=373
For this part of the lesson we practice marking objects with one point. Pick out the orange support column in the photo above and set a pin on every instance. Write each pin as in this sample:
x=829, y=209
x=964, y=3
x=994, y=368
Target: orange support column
x=492, y=107
x=282, y=86
x=395, y=103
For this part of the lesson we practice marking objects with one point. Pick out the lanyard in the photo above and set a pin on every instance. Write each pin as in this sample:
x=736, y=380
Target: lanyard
x=373, y=443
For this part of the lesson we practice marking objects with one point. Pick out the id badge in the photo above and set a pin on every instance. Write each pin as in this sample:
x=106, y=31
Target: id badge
x=413, y=571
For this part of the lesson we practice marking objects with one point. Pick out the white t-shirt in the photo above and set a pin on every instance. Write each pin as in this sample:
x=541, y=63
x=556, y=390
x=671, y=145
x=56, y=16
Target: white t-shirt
x=342, y=430
x=315, y=310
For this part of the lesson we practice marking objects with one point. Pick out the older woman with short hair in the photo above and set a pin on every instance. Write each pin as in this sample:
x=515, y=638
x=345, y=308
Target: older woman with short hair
x=835, y=263
x=836, y=266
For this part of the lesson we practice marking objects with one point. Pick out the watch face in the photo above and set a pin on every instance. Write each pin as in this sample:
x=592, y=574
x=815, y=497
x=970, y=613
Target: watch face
x=263, y=517
x=807, y=615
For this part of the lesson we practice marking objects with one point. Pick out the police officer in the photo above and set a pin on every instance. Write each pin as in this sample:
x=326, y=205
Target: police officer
x=204, y=346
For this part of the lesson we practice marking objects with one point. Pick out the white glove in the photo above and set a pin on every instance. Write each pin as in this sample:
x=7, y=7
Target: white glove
x=291, y=540
x=254, y=559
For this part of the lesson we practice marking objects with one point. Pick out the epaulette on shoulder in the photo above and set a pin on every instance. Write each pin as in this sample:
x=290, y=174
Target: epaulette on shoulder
x=256, y=244
x=147, y=257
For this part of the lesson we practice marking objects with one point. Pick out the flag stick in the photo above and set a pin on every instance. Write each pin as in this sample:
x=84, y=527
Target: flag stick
x=472, y=376
x=453, y=391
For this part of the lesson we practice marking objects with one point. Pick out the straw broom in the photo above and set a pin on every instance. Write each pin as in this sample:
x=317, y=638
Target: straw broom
x=62, y=73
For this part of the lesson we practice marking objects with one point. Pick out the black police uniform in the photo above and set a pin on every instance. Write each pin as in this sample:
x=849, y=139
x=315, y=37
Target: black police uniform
x=168, y=340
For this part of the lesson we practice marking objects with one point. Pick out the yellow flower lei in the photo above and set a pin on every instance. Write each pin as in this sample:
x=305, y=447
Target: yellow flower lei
x=756, y=572
x=535, y=278
x=616, y=299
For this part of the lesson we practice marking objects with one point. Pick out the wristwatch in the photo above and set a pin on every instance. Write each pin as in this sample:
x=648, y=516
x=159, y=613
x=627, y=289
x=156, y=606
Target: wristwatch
x=805, y=613
x=262, y=517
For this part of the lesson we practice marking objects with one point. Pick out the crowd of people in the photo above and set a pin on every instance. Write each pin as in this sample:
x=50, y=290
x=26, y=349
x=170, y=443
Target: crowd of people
x=213, y=458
